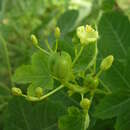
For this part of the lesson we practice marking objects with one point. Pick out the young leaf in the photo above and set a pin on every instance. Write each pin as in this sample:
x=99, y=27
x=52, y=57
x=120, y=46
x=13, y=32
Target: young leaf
x=31, y=90
x=23, y=74
x=37, y=73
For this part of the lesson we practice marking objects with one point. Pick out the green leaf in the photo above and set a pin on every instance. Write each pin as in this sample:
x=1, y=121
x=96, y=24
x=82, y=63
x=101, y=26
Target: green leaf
x=23, y=74
x=24, y=115
x=107, y=5
x=87, y=58
x=110, y=106
x=125, y=6
x=66, y=44
x=123, y=120
x=38, y=73
x=114, y=39
x=67, y=21
x=72, y=121
x=4, y=91
x=101, y=124
x=4, y=96
x=31, y=90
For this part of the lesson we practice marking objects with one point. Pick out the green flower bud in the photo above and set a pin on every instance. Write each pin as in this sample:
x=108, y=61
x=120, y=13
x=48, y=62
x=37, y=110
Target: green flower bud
x=85, y=104
x=91, y=82
x=16, y=91
x=34, y=40
x=57, y=32
x=87, y=34
x=107, y=63
x=39, y=92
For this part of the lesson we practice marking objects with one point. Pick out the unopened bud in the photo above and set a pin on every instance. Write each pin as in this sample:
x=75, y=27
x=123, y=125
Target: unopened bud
x=16, y=91
x=57, y=32
x=39, y=92
x=85, y=104
x=107, y=63
x=34, y=40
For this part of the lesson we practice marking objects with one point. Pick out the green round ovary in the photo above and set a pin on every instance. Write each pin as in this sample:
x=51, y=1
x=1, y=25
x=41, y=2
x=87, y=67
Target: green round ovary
x=60, y=65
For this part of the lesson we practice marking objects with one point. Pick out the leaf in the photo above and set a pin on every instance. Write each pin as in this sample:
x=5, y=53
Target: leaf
x=123, y=120
x=125, y=6
x=87, y=58
x=24, y=115
x=4, y=91
x=72, y=121
x=102, y=124
x=67, y=21
x=114, y=39
x=31, y=90
x=38, y=73
x=110, y=106
x=66, y=44
x=107, y=5
x=23, y=74
x=4, y=96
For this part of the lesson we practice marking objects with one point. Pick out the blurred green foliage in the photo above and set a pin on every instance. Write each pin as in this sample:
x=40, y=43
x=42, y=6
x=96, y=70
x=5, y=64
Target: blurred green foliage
x=21, y=18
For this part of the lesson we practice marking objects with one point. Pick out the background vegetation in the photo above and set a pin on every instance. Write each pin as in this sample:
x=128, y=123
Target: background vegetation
x=21, y=18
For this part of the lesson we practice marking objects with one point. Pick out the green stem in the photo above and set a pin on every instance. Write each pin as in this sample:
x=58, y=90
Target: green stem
x=82, y=96
x=41, y=49
x=48, y=46
x=93, y=61
x=75, y=50
x=99, y=91
x=76, y=88
x=56, y=45
x=44, y=96
x=7, y=59
x=4, y=6
x=99, y=73
x=78, y=55
x=86, y=121
x=92, y=96
x=52, y=92
x=105, y=86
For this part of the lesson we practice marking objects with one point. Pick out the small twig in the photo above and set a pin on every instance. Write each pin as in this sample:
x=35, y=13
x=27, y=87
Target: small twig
x=33, y=99
x=78, y=55
x=48, y=46
x=7, y=58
